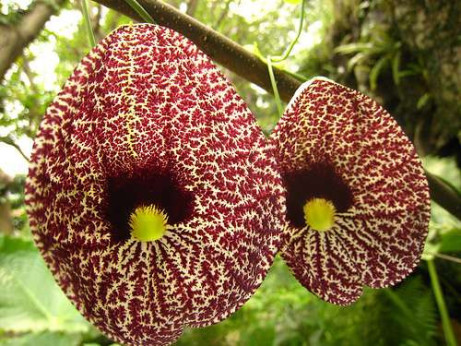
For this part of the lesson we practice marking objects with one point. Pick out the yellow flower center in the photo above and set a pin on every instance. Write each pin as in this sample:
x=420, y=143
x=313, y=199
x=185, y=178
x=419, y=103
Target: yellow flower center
x=148, y=223
x=319, y=214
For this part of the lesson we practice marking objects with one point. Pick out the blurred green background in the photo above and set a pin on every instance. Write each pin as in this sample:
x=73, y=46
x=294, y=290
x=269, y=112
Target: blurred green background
x=405, y=54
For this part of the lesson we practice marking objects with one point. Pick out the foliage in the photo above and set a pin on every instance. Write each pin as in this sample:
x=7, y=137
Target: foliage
x=11, y=13
x=406, y=54
x=271, y=315
x=284, y=313
x=43, y=339
x=378, y=312
x=30, y=300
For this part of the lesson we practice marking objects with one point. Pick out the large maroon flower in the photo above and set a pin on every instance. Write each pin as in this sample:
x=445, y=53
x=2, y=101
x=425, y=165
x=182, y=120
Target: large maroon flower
x=357, y=198
x=151, y=194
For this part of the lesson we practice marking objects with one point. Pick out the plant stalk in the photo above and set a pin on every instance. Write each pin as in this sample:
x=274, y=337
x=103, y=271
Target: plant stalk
x=274, y=86
x=88, y=25
x=446, y=322
x=291, y=46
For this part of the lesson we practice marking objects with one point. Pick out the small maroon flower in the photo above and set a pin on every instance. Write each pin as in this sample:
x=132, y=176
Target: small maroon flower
x=152, y=194
x=358, y=204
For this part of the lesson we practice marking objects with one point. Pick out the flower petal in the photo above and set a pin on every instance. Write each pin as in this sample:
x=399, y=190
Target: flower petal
x=326, y=268
x=338, y=144
x=146, y=118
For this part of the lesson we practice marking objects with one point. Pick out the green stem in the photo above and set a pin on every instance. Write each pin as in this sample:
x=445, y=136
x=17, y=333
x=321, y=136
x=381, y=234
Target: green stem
x=135, y=5
x=290, y=47
x=88, y=25
x=274, y=86
x=446, y=323
x=445, y=257
x=298, y=76
x=285, y=55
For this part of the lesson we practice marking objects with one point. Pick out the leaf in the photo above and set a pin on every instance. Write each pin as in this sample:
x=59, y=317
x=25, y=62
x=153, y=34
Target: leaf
x=376, y=70
x=357, y=47
x=418, y=300
x=451, y=241
x=30, y=300
x=292, y=2
x=357, y=59
x=43, y=339
x=396, y=67
x=423, y=100
x=10, y=245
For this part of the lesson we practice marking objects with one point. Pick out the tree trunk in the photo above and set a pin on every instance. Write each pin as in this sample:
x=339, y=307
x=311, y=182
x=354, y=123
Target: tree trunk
x=14, y=38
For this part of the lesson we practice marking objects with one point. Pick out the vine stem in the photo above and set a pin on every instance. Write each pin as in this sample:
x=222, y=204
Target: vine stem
x=278, y=102
x=446, y=323
x=287, y=53
x=89, y=28
x=445, y=257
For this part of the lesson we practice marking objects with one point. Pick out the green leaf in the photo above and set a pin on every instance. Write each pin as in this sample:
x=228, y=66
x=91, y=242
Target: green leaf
x=43, y=339
x=356, y=47
x=418, y=299
x=451, y=241
x=357, y=59
x=423, y=100
x=10, y=245
x=30, y=300
x=376, y=70
x=292, y=2
x=396, y=67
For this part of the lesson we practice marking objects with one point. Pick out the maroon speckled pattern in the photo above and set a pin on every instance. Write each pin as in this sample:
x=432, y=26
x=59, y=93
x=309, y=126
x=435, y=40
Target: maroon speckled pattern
x=378, y=239
x=147, y=100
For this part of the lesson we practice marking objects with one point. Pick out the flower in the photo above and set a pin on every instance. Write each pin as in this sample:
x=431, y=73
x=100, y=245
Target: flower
x=152, y=194
x=358, y=204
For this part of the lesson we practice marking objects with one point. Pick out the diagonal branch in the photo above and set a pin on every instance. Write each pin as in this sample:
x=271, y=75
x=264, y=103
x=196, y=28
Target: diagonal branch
x=220, y=48
x=14, y=38
x=235, y=58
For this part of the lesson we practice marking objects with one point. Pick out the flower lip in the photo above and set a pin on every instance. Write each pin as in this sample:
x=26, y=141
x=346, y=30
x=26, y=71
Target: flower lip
x=147, y=119
x=379, y=234
x=147, y=187
x=320, y=180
